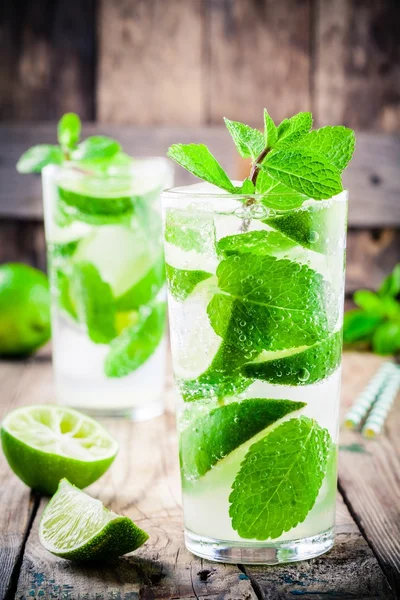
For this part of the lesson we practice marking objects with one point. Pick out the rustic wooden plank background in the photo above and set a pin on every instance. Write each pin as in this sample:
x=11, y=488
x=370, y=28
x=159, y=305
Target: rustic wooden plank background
x=364, y=563
x=183, y=65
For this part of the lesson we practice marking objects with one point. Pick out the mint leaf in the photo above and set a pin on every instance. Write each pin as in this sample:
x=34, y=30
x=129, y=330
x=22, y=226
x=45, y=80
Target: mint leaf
x=369, y=301
x=61, y=283
x=181, y=283
x=304, y=171
x=144, y=290
x=386, y=339
x=270, y=130
x=248, y=141
x=261, y=243
x=94, y=147
x=190, y=231
x=106, y=206
x=247, y=187
x=277, y=195
x=94, y=302
x=197, y=159
x=136, y=343
x=221, y=379
x=359, y=325
x=213, y=436
x=292, y=130
x=37, y=157
x=69, y=130
x=391, y=284
x=302, y=368
x=279, y=480
x=336, y=144
x=269, y=304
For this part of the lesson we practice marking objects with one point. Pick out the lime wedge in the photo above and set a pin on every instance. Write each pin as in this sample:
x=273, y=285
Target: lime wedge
x=45, y=443
x=213, y=436
x=77, y=527
x=306, y=366
x=143, y=290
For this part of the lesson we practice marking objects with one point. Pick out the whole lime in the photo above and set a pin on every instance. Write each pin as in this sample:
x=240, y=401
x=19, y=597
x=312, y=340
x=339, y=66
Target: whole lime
x=24, y=309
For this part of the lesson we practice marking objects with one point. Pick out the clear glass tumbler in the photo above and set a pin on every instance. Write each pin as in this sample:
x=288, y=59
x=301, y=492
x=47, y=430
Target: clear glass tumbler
x=255, y=299
x=106, y=268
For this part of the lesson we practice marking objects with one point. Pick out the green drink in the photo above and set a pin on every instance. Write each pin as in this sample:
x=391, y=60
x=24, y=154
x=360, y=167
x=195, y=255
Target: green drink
x=107, y=274
x=256, y=276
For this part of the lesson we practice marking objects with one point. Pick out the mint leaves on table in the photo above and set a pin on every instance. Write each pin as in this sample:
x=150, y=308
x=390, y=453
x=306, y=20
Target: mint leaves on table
x=299, y=161
x=98, y=149
x=279, y=480
x=136, y=343
x=214, y=435
x=376, y=321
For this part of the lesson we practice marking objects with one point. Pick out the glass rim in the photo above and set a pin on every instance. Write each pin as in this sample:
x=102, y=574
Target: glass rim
x=115, y=172
x=181, y=191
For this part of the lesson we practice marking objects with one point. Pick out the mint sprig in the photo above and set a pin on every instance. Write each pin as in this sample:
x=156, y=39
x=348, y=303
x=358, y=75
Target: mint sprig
x=289, y=161
x=94, y=154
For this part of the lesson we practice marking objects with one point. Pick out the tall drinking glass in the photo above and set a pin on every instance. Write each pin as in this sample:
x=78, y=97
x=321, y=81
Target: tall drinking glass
x=106, y=267
x=255, y=307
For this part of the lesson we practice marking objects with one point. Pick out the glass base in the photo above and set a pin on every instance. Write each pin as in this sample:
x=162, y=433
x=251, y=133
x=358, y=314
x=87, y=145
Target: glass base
x=259, y=553
x=134, y=413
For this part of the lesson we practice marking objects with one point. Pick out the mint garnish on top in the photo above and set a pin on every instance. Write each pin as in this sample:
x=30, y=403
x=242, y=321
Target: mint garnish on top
x=289, y=160
x=94, y=153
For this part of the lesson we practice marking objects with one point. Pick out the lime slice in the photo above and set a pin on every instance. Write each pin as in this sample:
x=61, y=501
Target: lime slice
x=43, y=444
x=315, y=227
x=92, y=206
x=77, y=527
x=213, y=436
x=181, y=282
x=304, y=367
x=121, y=255
x=145, y=289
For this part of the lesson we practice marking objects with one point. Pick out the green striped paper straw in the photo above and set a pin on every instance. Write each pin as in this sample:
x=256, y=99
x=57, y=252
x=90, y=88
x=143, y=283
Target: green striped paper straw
x=365, y=400
x=376, y=418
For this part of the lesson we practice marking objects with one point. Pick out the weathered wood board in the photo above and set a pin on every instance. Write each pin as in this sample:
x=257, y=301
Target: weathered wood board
x=144, y=484
x=47, y=64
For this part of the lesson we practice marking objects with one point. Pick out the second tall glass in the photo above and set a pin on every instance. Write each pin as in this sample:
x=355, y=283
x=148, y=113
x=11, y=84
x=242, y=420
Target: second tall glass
x=106, y=268
x=255, y=305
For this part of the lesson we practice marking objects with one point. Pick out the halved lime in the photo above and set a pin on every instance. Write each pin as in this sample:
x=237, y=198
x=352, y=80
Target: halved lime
x=45, y=443
x=76, y=526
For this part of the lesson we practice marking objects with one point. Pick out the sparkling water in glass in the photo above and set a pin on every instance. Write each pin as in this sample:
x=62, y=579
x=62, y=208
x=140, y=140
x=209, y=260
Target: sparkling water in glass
x=255, y=299
x=106, y=267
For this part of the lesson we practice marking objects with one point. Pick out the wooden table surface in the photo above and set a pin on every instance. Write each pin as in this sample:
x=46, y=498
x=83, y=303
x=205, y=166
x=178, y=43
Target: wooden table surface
x=143, y=483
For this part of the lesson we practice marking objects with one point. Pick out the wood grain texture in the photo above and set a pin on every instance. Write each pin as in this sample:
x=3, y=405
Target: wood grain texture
x=349, y=571
x=147, y=490
x=46, y=59
x=20, y=383
x=372, y=176
x=150, y=68
x=357, y=76
x=144, y=485
x=23, y=241
x=258, y=56
x=369, y=474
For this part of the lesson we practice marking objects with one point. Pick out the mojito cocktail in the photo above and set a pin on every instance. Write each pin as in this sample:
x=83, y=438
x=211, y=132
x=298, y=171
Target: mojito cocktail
x=106, y=267
x=255, y=275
